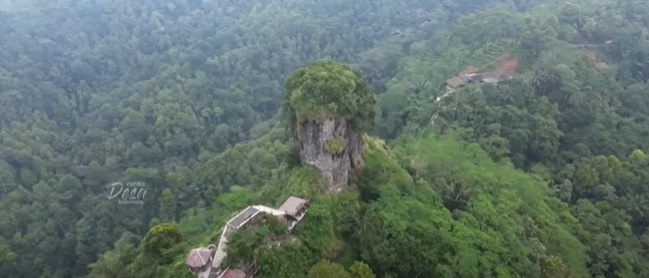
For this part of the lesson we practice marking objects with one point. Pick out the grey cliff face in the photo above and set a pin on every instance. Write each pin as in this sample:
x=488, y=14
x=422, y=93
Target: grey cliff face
x=333, y=148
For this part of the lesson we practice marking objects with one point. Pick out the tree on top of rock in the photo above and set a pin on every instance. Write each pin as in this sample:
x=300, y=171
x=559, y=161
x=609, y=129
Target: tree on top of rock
x=326, y=89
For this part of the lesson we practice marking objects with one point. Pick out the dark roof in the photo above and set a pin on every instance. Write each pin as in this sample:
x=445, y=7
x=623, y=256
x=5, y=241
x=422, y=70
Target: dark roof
x=292, y=205
x=476, y=76
x=455, y=82
x=242, y=216
x=198, y=257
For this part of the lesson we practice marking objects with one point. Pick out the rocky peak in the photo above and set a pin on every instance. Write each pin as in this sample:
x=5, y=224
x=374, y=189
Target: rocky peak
x=327, y=107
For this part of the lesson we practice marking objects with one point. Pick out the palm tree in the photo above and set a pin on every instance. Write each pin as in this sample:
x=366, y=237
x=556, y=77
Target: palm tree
x=362, y=222
x=420, y=86
x=455, y=194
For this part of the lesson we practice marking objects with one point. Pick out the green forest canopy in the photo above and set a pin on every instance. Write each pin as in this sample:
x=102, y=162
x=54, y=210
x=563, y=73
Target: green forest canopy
x=539, y=176
x=326, y=89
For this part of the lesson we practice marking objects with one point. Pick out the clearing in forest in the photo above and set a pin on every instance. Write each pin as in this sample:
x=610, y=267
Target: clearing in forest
x=590, y=50
x=505, y=66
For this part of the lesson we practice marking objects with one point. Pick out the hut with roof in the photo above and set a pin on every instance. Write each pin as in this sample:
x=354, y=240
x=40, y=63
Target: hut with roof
x=454, y=83
x=199, y=259
x=295, y=209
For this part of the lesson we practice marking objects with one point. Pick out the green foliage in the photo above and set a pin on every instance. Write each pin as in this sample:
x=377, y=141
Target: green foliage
x=275, y=227
x=361, y=270
x=330, y=269
x=393, y=231
x=246, y=243
x=326, y=89
x=292, y=260
x=565, y=118
x=380, y=169
x=318, y=230
x=241, y=246
x=160, y=238
x=114, y=263
x=183, y=96
x=160, y=247
x=300, y=181
x=326, y=269
x=151, y=85
x=452, y=151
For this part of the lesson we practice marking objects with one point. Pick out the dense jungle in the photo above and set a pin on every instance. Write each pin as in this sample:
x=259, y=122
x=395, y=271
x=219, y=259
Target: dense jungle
x=500, y=138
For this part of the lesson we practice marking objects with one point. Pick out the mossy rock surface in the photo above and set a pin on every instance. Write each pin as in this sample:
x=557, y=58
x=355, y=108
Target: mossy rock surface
x=335, y=146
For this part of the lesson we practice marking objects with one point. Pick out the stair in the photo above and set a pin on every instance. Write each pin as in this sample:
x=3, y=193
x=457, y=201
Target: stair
x=270, y=210
x=220, y=253
x=219, y=256
x=215, y=273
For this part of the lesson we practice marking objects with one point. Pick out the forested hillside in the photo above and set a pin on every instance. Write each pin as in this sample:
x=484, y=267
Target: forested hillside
x=543, y=175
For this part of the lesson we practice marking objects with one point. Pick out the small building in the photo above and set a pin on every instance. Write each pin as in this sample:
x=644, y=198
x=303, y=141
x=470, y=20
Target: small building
x=234, y=273
x=295, y=209
x=199, y=259
x=454, y=83
x=474, y=78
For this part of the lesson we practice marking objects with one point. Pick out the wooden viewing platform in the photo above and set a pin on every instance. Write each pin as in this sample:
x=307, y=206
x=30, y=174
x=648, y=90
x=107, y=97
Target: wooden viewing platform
x=206, y=262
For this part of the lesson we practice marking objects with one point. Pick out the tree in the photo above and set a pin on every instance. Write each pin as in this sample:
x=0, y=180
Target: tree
x=361, y=270
x=167, y=205
x=328, y=89
x=158, y=248
x=326, y=269
x=160, y=239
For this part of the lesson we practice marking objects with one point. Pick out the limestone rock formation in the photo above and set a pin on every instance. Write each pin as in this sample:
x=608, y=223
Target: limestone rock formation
x=327, y=107
x=332, y=147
